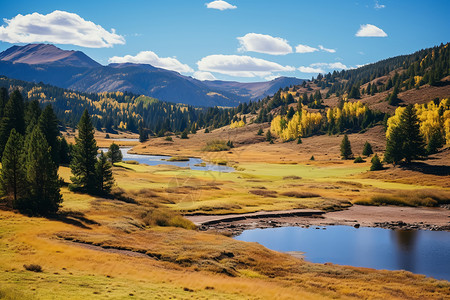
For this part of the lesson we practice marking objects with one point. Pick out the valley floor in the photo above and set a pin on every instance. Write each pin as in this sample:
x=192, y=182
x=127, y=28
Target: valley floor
x=100, y=248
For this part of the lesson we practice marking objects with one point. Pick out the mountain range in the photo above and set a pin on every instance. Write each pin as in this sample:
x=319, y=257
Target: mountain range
x=76, y=71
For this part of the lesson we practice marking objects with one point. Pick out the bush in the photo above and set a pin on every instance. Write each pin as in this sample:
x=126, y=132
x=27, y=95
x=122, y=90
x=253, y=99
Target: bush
x=184, y=135
x=359, y=160
x=217, y=145
x=312, y=157
x=164, y=218
x=169, y=139
x=260, y=131
x=33, y=268
x=206, y=130
x=295, y=194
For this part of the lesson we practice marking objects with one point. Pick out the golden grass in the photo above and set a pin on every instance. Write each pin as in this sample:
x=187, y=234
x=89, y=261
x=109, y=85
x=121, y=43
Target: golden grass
x=429, y=198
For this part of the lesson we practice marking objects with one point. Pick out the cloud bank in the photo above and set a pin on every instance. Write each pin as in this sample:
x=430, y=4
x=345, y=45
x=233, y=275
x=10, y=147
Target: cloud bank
x=58, y=27
x=150, y=57
x=263, y=43
x=220, y=5
x=240, y=66
x=369, y=30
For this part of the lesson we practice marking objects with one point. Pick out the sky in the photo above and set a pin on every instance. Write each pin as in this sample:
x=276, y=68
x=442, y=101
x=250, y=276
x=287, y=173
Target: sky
x=239, y=40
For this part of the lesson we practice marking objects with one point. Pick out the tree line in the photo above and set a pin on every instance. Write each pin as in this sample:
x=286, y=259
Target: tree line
x=32, y=150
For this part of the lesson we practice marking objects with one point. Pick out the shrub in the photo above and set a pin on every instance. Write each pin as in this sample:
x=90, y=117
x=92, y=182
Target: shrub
x=169, y=139
x=264, y=193
x=178, y=158
x=428, y=198
x=260, y=131
x=217, y=145
x=206, y=130
x=164, y=217
x=33, y=268
x=184, y=135
x=296, y=194
x=358, y=160
x=312, y=157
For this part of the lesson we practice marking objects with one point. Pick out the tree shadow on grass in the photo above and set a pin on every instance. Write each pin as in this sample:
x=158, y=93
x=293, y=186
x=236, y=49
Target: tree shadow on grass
x=73, y=218
x=438, y=170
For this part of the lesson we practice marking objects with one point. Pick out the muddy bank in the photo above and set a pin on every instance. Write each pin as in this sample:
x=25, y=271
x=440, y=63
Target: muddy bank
x=391, y=217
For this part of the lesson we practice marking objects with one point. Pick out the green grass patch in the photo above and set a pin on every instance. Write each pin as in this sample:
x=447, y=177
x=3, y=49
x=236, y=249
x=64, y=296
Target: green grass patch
x=178, y=158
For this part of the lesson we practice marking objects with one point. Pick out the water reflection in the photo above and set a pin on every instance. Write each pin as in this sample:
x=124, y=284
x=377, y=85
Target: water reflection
x=405, y=241
x=418, y=251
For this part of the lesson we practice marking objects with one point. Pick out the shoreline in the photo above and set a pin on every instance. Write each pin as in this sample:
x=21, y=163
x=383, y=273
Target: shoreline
x=388, y=217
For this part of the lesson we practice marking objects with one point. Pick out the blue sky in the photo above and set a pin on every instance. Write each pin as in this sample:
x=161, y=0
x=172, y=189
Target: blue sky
x=254, y=40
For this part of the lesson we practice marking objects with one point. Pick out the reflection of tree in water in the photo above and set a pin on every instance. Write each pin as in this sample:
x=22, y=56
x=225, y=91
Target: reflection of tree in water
x=405, y=241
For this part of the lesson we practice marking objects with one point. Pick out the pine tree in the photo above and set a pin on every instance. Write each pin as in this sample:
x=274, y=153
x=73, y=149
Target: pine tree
x=103, y=171
x=143, y=135
x=64, y=151
x=367, y=150
x=84, y=156
x=346, y=149
x=436, y=141
x=12, y=174
x=394, y=146
x=376, y=163
x=114, y=154
x=31, y=116
x=3, y=100
x=260, y=131
x=42, y=176
x=413, y=143
x=269, y=137
x=48, y=123
x=13, y=117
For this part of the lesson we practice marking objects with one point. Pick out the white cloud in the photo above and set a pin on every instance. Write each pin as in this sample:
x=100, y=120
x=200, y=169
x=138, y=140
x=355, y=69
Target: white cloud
x=326, y=49
x=220, y=5
x=59, y=27
x=310, y=70
x=336, y=65
x=379, y=6
x=369, y=30
x=264, y=43
x=204, y=76
x=240, y=66
x=305, y=49
x=150, y=57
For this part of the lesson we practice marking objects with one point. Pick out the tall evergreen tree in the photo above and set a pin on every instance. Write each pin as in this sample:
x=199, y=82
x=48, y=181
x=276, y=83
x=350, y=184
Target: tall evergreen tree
x=367, y=150
x=84, y=157
x=12, y=174
x=48, y=123
x=436, y=141
x=394, y=146
x=114, y=154
x=346, y=148
x=103, y=170
x=31, y=115
x=13, y=117
x=413, y=143
x=3, y=99
x=42, y=176
x=143, y=135
x=64, y=151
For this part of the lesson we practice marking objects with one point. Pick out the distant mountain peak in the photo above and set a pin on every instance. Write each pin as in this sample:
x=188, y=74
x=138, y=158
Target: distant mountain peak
x=36, y=54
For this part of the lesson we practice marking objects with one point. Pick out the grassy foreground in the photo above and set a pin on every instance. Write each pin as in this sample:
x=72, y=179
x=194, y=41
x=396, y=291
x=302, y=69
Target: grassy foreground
x=105, y=248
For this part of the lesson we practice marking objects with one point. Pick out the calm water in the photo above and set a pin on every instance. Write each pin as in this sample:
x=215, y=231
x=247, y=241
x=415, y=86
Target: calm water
x=153, y=160
x=418, y=251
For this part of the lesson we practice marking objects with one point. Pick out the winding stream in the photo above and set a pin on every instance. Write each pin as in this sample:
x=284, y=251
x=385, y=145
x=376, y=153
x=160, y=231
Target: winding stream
x=419, y=251
x=153, y=160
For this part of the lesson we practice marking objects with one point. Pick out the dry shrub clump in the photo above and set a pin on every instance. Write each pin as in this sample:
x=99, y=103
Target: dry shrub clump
x=33, y=268
x=164, y=217
x=300, y=194
x=264, y=193
x=428, y=198
x=216, y=145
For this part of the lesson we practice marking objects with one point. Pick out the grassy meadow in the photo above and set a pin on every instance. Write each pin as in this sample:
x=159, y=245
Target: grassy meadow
x=138, y=245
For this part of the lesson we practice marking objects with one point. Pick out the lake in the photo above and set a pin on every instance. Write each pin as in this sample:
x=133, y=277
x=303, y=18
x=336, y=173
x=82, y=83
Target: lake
x=153, y=160
x=419, y=251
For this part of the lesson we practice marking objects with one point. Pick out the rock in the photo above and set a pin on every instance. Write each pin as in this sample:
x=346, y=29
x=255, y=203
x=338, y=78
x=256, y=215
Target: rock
x=356, y=225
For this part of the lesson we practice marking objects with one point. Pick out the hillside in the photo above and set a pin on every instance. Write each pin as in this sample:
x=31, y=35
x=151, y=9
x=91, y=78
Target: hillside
x=76, y=71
